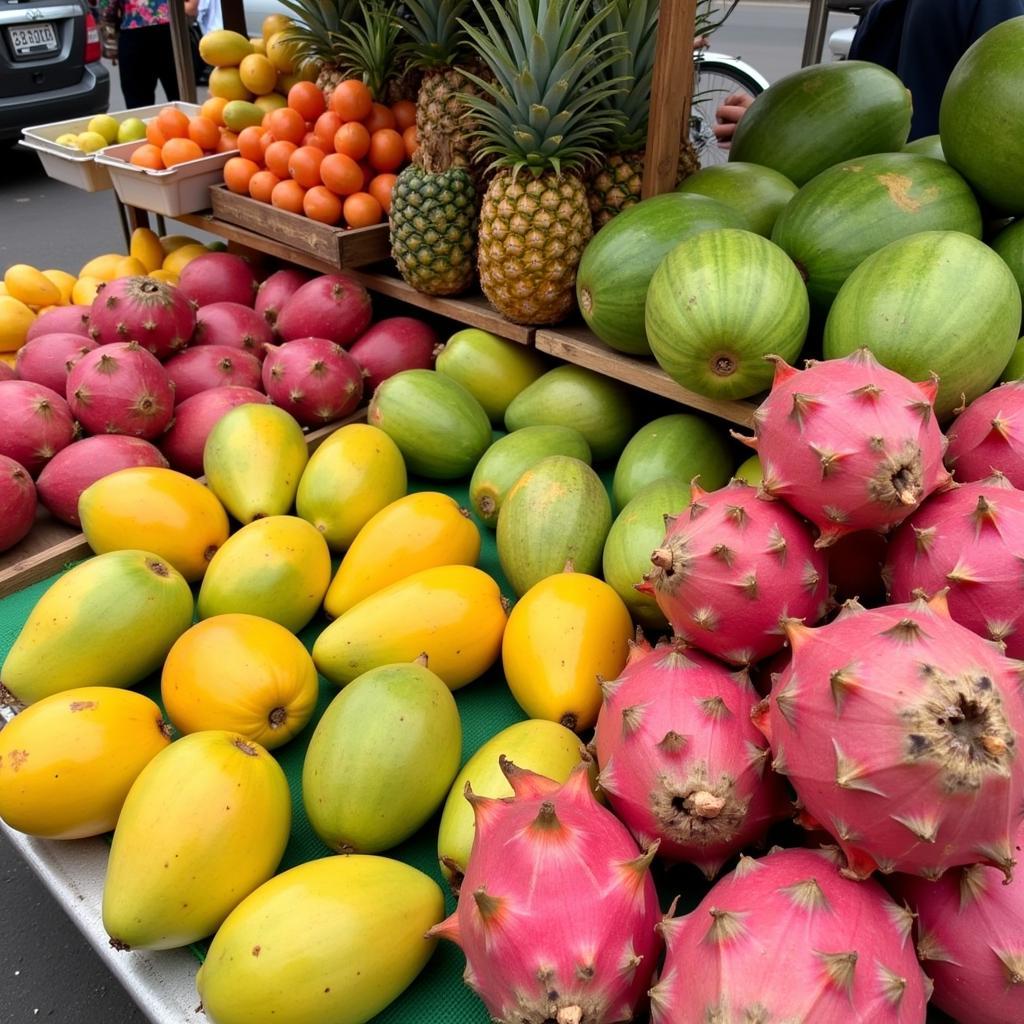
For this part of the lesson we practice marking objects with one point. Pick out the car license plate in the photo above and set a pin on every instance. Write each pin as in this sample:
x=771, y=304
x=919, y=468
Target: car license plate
x=32, y=39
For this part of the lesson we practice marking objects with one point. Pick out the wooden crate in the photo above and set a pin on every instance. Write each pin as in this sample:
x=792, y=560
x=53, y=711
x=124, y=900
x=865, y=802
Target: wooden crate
x=335, y=247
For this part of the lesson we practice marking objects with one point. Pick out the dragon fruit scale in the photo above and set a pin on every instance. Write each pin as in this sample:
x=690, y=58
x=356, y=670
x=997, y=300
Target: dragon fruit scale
x=681, y=761
x=156, y=316
x=732, y=568
x=899, y=730
x=849, y=444
x=557, y=912
x=969, y=541
x=785, y=938
x=988, y=436
x=970, y=937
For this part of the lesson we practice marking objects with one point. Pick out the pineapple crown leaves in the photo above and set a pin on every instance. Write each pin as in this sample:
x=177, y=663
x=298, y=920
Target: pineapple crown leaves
x=436, y=36
x=314, y=23
x=546, y=108
x=366, y=48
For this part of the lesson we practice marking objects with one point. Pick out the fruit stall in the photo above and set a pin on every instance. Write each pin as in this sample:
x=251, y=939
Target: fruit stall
x=515, y=572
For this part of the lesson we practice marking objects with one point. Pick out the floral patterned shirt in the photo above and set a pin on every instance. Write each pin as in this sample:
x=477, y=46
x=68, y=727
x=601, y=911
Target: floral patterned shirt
x=140, y=13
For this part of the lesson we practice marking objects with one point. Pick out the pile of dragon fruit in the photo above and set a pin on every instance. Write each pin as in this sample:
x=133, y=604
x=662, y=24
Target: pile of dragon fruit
x=890, y=733
x=140, y=377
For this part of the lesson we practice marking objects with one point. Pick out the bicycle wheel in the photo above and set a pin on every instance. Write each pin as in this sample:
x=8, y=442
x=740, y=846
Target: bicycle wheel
x=714, y=80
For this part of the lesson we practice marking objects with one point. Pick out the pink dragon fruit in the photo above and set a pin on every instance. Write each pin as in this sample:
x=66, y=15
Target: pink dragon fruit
x=17, y=503
x=314, y=379
x=212, y=366
x=218, y=277
x=970, y=935
x=121, y=389
x=557, y=911
x=334, y=306
x=988, y=436
x=785, y=938
x=7, y=372
x=277, y=289
x=732, y=569
x=47, y=359
x=60, y=320
x=849, y=444
x=899, y=729
x=35, y=423
x=155, y=315
x=968, y=541
x=682, y=762
x=234, y=325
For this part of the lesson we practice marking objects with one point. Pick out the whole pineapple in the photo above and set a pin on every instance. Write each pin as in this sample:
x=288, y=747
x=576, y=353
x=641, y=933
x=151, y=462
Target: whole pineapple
x=543, y=121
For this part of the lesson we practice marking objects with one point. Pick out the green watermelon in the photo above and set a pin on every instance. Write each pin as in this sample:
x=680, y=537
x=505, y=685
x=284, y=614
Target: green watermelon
x=982, y=114
x=681, y=446
x=557, y=512
x=927, y=145
x=492, y=369
x=439, y=427
x=757, y=193
x=1009, y=243
x=853, y=209
x=822, y=115
x=611, y=284
x=638, y=530
x=511, y=456
x=1014, y=369
x=936, y=302
x=718, y=304
x=571, y=396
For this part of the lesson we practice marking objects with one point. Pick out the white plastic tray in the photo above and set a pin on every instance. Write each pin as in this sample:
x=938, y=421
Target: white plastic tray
x=74, y=167
x=181, y=189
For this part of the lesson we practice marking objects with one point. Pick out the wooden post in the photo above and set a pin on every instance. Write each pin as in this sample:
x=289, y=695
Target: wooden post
x=182, y=52
x=671, y=94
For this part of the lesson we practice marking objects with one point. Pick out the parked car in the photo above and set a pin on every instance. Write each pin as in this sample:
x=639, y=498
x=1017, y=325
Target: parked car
x=50, y=66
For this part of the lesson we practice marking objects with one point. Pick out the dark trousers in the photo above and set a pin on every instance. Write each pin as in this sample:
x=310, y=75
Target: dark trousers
x=145, y=56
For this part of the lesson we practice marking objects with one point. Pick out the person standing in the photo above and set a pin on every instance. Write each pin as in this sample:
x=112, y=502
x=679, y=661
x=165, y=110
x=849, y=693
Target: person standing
x=144, y=54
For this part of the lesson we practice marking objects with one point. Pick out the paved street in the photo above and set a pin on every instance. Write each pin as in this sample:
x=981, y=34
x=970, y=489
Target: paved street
x=47, y=971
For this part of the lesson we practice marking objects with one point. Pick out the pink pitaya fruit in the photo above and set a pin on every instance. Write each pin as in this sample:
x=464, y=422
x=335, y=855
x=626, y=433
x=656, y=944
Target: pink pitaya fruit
x=970, y=936
x=60, y=320
x=988, y=436
x=17, y=503
x=335, y=306
x=234, y=325
x=968, y=541
x=218, y=277
x=121, y=389
x=314, y=379
x=394, y=344
x=732, y=568
x=682, y=762
x=786, y=939
x=277, y=289
x=35, y=423
x=194, y=418
x=212, y=366
x=557, y=911
x=849, y=444
x=899, y=730
x=155, y=315
x=47, y=359
x=7, y=372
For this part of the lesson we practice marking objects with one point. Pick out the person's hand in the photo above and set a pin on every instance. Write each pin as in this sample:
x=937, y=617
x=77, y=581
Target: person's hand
x=729, y=114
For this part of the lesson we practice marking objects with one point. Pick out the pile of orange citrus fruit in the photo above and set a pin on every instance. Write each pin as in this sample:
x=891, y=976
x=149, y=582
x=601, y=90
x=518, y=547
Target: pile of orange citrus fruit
x=336, y=165
x=172, y=137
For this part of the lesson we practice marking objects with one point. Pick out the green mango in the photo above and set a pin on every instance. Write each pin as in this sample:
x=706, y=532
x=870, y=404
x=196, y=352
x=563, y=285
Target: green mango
x=239, y=114
x=382, y=758
x=253, y=460
x=110, y=621
x=278, y=568
x=749, y=471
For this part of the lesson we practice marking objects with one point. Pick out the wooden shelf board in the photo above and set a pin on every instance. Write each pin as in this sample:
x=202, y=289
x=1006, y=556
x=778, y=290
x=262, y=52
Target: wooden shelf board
x=577, y=344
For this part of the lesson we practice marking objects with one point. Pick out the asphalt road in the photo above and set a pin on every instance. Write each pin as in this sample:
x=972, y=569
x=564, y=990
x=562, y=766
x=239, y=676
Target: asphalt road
x=47, y=970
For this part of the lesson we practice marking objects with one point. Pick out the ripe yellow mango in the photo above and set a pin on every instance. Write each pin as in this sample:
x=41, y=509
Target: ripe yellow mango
x=333, y=941
x=110, y=621
x=454, y=614
x=258, y=75
x=15, y=320
x=226, y=83
x=131, y=266
x=64, y=281
x=565, y=632
x=85, y=290
x=167, y=512
x=281, y=52
x=355, y=473
x=67, y=763
x=253, y=460
x=205, y=824
x=419, y=531
x=277, y=567
x=223, y=48
x=103, y=267
x=146, y=248
x=31, y=286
